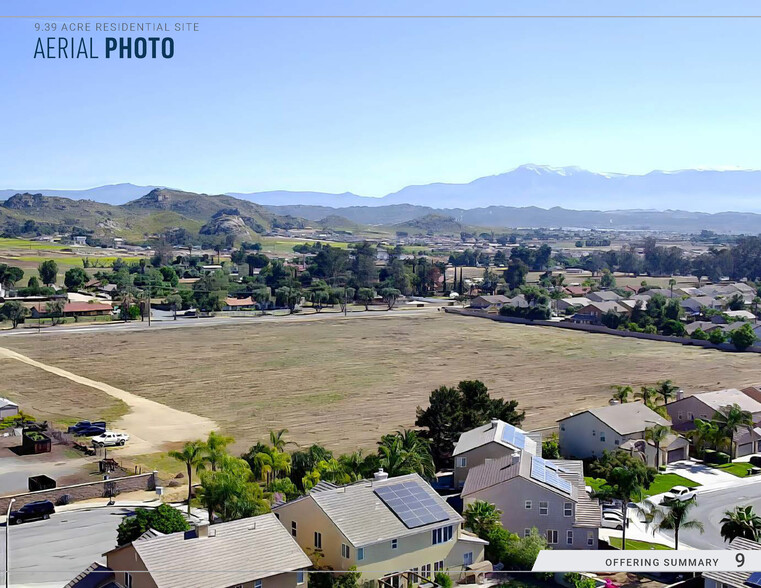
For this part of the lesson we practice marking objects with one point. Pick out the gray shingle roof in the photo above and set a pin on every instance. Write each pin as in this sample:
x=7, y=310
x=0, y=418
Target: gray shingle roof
x=720, y=398
x=736, y=579
x=364, y=519
x=488, y=433
x=238, y=552
x=627, y=418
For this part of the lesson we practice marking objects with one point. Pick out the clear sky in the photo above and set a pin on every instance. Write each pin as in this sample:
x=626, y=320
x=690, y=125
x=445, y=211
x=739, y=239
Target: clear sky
x=372, y=105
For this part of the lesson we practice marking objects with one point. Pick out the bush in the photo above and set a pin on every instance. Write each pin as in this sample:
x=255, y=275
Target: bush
x=443, y=579
x=715, y=457
x=722, y=458
x=700, y=335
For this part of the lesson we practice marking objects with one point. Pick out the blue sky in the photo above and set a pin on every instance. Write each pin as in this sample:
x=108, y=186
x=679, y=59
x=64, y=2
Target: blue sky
x=372, y=105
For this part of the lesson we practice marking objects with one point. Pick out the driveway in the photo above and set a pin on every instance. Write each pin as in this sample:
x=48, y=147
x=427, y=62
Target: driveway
x=700, y=473
x=16, y=469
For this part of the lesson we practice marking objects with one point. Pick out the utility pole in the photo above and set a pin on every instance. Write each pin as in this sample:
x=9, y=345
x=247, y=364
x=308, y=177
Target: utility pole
x=149, y=305
x=8, y=544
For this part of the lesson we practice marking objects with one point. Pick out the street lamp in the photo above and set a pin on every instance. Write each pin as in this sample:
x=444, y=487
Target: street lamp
x=7, y=544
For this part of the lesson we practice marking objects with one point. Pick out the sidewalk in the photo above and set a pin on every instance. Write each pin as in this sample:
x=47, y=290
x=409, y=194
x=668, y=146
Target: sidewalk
x=704, y=475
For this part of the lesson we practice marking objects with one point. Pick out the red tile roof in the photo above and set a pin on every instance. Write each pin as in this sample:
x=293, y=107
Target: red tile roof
x=85, y=307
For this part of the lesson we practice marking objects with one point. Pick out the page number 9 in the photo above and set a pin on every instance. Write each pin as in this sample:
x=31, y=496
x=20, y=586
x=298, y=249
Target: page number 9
x=740, y=559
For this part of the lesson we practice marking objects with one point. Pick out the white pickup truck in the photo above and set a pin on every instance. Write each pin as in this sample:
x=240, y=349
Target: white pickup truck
x=110, y=438
x=681, y=493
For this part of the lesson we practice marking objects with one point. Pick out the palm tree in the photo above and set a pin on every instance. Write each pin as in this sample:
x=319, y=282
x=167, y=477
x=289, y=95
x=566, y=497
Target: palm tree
x=481, y=517
x=192, y=455
x=705, y=434
x=731, y=419
x=666, y=390
x=675, y=516
x=216, y=449
x=741, y=522
x=621, y=393
x=656, y=434
x=672, y=283
x=646, y=394
x=281, y=463
x=277, y=439
x=406, y=452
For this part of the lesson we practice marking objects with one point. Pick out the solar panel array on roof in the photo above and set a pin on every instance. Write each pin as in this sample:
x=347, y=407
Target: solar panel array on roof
x=754, y=579
x=547, y=472
x=411, y=502
x=513, y=436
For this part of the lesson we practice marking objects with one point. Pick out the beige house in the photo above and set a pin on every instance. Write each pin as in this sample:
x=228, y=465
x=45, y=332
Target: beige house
x=256, y=552
x=589, y=433
x=532, y=492
x=379, y=525
x=489, y=442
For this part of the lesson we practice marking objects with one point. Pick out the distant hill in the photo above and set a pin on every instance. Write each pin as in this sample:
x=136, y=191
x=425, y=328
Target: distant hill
x=111, y=194
x=433, y=223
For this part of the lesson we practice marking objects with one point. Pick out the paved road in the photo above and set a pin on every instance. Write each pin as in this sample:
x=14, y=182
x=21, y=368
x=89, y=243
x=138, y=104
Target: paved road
x=58, y=549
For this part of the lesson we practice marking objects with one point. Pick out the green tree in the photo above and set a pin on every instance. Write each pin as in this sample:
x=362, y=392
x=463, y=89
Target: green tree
x=215, y=449
x=521, y=553
x=551, y=447
x=75, y=278
x=406, y=452
x=515, y=274
x=48, y=271
x=657, y=434
x=366, y=296
x=482, y=518
x=674, y=516
x=717, y=337
x=743, y=337
x=390, y=296
x=164, y=519
x=666, y=390
x=9, y=275
x=705, y=434
x=741, y=522
x=192, y=455
x=256, y=261
x=621, y=393
x=607, y=280
x=54, y=309
x=14, y=311
x=730, y=419
x=174, y=301
x=231, y=492
x=277, y=439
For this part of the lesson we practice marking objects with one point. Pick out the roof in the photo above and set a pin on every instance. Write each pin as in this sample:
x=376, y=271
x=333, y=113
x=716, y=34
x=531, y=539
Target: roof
x=239, y=301
x=231, y=553
x=606, y=306
x=625, y=418
x=491, y=433
x=5, y=402
x=604, y=295
x=736, y=579
x=92, y=577
x=746, y=314
x=720, y=398
x=364, y=519
x=496, y=299
x=506, y=468
x=85, y=307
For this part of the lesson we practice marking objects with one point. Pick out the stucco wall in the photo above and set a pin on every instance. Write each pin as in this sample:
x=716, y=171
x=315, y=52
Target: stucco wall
x=581, y=436
x=476, y=457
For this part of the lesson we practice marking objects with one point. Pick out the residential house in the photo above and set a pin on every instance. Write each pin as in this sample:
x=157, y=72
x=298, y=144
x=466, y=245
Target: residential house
x=533, y=492
x=589, y=433
x=592, y=313
x=80, y=240
x=692, y=306
x=604, y=296
x=571, y=303
x=8, y=408
x=239, y=303
x=488, y=442
x=76, y=309
x=576, y=290
x=705, y=326
x=737, y=578
x=381, y=525
x=744, y=315
x=256, y=552
x=705, y=405
x=489, y=303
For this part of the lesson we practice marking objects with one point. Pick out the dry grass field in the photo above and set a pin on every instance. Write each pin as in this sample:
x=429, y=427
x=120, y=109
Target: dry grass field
x=344, y=382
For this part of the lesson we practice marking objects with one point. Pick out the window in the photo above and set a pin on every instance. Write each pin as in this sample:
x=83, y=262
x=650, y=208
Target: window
x=527, y=532
x=562, y=427
x=602, y=437
x=293, y=528
x=438, y=566
x=616, y=441
x=569, y=537
x=425, y=571
x=552, y=537
x=544, y=508
x=345, y=552
x=590, y=538
x=568, y=509
x=528, y=505
x=257, y=584
x=360, y=553
x=317, y=540
x=127, y=580
x=394, y=543
x=448, y=533
x=680, y=415
x=441, y=535
x=462, y=462
x=299, y=578
x=467, y=559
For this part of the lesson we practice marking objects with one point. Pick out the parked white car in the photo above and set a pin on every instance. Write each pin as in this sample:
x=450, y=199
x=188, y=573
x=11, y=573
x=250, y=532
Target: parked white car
x=612, y=520
x=681, y=493
x=109, y=439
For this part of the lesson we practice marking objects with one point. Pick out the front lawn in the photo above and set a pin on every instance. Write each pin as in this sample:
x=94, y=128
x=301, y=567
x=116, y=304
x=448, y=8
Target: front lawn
x=634, y=544
x=665, y=482
x=738, y=469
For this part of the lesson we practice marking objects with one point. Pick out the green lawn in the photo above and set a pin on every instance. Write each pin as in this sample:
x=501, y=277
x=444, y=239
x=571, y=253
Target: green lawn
x=665, y=482
x=738, y=469
x=634, y=544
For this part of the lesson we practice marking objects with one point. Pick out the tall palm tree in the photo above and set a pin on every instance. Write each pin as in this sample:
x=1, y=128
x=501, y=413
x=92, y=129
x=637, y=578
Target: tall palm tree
x=192, y=455
x=646, y=394
x=730, y=419
x=406, y=452
x=216, y=449
x=277, y=439
x=656, y=434
x=741, y=522
x=621, y=393
x=666, y=390
x=705, y=434
x=481, y=517
x=281, y=463
x=675, y=516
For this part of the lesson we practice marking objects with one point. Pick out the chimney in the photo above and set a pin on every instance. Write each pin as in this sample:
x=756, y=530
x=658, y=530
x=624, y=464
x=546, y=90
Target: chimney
x=679, y=394
x=202, y=530
x=494, y=423
x=380, y=475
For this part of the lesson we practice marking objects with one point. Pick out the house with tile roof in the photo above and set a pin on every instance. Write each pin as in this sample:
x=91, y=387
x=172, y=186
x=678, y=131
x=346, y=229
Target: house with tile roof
x=380, y=525
x=488, y=442
x=738, y=578
x=532, y=492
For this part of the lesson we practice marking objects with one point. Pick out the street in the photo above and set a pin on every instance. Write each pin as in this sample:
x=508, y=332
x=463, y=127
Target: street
x=58, y=549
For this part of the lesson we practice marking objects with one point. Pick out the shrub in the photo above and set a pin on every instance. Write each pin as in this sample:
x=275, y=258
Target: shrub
x=700, y=334
x=443, y=579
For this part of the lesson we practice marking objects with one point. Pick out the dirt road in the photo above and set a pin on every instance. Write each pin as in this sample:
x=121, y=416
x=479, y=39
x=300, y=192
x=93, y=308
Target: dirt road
x=150, y=425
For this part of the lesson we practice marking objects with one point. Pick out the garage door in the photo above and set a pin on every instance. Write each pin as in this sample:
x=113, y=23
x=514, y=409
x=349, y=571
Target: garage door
x=675, y=455
x=744, y=449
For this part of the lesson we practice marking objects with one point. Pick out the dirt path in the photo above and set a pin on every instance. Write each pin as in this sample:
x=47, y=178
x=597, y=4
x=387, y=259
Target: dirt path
x=150, y=425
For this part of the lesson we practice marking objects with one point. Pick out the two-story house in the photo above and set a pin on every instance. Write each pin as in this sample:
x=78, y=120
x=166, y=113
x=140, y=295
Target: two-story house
x=385, y=527
x=685, y=409
x=256, y=552
x=532, y=492
x=491, y=441
x=608, y=428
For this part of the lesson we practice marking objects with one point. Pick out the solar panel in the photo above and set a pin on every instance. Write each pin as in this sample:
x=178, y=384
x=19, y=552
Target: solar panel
x=544, y=471
x=513, y=436
x=411, y=503
x=754, y=579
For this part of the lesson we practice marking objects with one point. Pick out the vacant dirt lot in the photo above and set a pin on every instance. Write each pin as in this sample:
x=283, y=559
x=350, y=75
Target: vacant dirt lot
x=344, y=382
